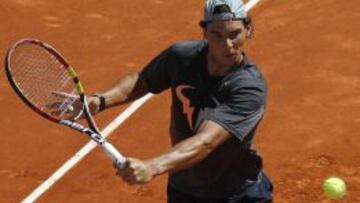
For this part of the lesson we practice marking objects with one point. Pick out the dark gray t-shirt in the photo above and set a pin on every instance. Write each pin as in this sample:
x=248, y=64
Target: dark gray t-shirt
x=235, y=101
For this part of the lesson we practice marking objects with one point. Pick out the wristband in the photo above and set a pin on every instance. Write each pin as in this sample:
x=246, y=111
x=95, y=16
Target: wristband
x=102, y=104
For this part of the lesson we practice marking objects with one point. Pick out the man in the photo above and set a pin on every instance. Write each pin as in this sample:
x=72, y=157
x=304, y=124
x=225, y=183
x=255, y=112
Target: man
x=218, y=99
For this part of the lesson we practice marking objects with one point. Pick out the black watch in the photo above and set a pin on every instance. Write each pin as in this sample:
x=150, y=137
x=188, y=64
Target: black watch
x=102, y=105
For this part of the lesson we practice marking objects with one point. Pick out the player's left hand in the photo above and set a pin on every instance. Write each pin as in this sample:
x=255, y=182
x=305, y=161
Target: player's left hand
x=76, y=105
x=136, y=172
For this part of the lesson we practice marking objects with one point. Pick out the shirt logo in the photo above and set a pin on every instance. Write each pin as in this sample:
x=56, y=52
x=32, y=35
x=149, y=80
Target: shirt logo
x=187, y=109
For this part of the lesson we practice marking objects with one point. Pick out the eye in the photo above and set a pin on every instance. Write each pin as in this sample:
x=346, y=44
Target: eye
x=235, y=34
x=218, y=35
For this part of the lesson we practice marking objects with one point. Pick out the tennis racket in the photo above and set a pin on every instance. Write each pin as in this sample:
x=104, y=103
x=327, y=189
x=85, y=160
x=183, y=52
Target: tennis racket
x=45, y=81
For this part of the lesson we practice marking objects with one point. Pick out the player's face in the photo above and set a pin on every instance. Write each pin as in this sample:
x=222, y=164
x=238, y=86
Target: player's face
x=226, y=41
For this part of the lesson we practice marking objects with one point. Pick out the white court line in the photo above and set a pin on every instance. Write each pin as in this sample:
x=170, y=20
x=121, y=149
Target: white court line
x=85, y=150
x=91, y=145
x=249, y=5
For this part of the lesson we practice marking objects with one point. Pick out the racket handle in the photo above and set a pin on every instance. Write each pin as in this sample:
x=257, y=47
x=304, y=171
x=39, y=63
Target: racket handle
x=115, y=155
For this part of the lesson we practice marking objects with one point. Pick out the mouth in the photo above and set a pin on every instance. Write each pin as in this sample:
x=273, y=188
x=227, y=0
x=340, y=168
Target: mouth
x=230, y=55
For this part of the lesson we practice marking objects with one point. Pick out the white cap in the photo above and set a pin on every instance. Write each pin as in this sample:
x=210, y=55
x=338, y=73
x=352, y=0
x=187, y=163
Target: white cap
x=222, y=10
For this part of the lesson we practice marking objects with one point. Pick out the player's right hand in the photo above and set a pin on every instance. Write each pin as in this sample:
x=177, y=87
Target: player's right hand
x=136, y=171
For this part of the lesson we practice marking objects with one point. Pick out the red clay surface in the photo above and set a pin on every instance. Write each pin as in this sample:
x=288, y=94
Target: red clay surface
x=308, y=50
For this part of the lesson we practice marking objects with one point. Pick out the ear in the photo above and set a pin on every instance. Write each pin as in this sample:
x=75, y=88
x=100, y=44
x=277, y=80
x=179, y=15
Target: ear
x=249, y=31
x=204, y=33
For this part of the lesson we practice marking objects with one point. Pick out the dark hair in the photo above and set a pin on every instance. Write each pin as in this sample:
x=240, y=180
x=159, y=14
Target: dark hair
x=247, y=22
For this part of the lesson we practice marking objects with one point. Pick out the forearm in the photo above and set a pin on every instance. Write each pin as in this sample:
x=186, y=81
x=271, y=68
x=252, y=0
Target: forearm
x=125, y=90
x=183, y=155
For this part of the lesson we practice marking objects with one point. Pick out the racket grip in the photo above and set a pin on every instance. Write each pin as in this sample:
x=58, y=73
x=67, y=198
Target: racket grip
x=115, y=155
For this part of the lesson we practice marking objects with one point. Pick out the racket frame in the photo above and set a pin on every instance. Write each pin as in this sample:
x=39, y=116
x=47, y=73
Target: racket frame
x=93, y=132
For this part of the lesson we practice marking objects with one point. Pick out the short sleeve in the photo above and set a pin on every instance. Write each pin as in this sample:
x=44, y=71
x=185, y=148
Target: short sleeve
x=156, y=75
x=242, y=109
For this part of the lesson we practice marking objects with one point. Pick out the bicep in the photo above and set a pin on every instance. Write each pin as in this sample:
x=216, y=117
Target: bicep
x=155, y=77
x=240, y=113
x=136, y=87
x=211, y=134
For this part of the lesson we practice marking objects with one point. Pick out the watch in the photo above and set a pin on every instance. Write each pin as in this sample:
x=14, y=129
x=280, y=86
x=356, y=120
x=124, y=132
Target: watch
x=102, y=105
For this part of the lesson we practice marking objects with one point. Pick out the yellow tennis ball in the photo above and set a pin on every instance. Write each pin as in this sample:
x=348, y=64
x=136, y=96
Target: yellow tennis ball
x=334, y=188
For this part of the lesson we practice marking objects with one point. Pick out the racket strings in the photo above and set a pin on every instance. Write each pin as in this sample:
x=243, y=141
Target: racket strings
x=38, y=75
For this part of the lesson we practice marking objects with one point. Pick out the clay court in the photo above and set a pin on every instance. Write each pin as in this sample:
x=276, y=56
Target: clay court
x=308, y=50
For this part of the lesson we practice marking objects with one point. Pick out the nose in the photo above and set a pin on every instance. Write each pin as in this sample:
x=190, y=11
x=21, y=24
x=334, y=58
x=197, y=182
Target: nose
x=229, y=43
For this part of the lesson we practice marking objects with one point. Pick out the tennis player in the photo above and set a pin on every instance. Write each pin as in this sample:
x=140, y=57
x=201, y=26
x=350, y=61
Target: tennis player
x=218, y=100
